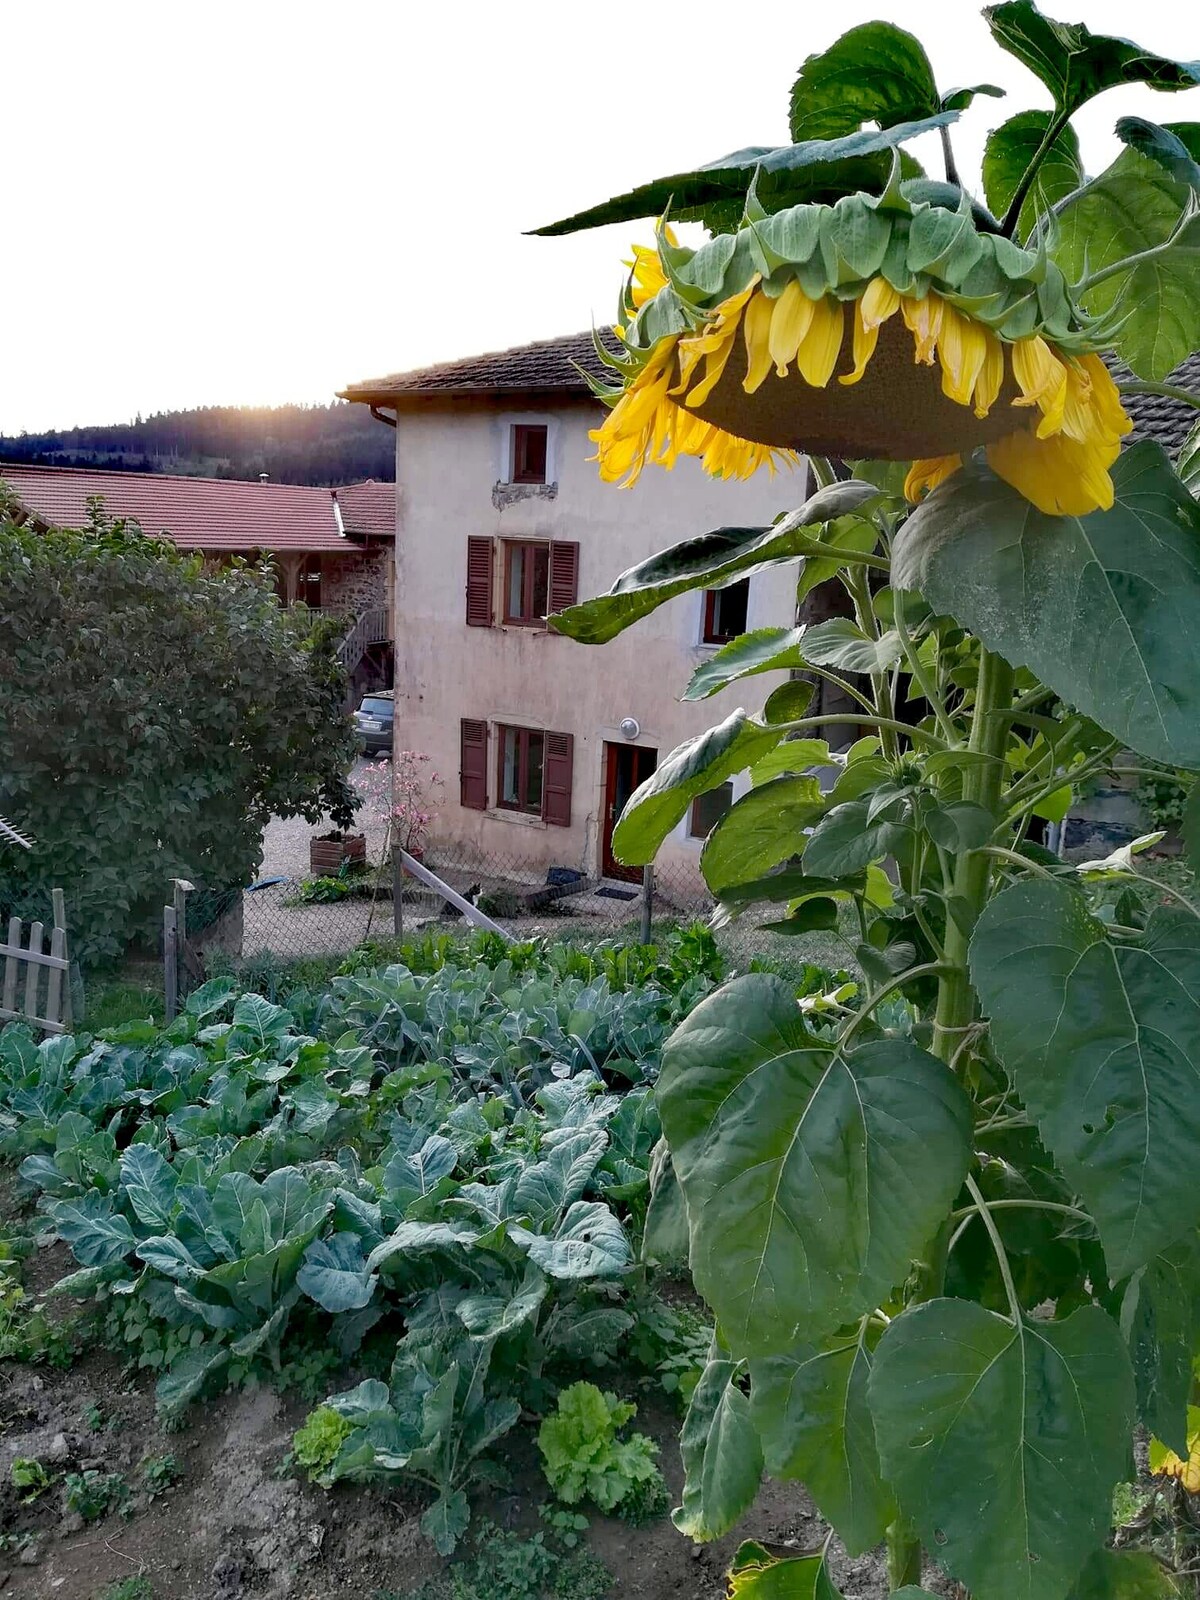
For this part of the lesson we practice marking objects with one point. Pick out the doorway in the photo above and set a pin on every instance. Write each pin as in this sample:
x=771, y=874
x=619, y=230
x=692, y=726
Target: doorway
x=625, y=766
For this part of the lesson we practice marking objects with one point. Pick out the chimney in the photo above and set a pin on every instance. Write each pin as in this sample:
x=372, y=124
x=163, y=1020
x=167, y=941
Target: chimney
x=264, y=477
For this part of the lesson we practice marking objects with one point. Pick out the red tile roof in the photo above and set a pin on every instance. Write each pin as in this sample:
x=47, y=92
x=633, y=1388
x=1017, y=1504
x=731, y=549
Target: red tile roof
x=211, y=513
x=548, y=367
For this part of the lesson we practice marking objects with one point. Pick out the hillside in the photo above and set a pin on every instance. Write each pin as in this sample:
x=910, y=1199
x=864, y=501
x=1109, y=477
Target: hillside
x=330, y=444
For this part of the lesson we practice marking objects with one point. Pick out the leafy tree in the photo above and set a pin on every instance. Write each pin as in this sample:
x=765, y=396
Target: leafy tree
x=153, y=715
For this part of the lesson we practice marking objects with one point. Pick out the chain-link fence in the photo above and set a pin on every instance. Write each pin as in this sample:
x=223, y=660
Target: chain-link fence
x=315, y=921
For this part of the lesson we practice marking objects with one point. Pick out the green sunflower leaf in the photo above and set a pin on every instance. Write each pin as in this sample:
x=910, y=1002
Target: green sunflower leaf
x=1102, y=608
x=709, y=561
x=722, y=1458
x=1102, y=1043
x=763, y=828
x=692, y=768
x=1164, y=145
x=875, y=73
x=817, y=169
x=1133, y=206
x=1076, y=64
x=1010, y=149
x=813, y=1175
x=983, y=1425
x=1160, y=1318
x=812, y=1414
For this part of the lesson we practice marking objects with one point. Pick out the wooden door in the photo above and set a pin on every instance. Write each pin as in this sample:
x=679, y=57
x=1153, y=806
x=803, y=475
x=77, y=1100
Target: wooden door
x=625, y=767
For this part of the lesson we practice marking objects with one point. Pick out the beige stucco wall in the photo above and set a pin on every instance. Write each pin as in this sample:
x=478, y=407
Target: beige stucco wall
x=448, y=464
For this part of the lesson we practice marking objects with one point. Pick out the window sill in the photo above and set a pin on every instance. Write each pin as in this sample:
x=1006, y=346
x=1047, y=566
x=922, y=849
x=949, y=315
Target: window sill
x=523, y=819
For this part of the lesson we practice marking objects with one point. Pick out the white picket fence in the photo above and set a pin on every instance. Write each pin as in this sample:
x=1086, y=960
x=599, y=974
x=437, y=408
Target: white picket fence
x=37, y=984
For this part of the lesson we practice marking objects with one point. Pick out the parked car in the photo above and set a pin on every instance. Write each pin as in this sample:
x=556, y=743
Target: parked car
x=373, y=723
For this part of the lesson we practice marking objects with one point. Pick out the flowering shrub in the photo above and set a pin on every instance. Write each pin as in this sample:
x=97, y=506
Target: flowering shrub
x=408, y=798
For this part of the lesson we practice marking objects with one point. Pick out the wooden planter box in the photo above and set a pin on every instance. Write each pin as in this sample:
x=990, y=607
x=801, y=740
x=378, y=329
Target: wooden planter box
x=327, y=853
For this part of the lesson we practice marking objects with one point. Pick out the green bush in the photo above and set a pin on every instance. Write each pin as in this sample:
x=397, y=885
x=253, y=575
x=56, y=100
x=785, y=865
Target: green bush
x=153, y=715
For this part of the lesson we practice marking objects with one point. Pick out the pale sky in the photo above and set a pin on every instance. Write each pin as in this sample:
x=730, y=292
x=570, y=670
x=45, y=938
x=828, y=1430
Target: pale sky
x=255, y=201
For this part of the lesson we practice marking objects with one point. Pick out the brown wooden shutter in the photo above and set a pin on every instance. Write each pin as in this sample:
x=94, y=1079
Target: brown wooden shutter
x=556, y=779
x=481, y=554
x=564, y=574
x=472, y=773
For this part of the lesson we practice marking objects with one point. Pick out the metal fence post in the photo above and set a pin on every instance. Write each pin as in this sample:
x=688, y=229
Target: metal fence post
x=647, y=902
x=397, y=893
x=170, y=964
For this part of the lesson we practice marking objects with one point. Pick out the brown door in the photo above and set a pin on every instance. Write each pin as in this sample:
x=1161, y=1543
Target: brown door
x=310, y=582
x=625, y=767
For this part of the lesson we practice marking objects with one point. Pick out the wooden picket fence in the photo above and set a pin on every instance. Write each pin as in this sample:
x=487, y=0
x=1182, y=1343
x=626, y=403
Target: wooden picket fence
x=41, y=994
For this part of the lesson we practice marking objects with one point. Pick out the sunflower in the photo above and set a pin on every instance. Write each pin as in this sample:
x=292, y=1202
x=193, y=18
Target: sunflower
x=949, y=341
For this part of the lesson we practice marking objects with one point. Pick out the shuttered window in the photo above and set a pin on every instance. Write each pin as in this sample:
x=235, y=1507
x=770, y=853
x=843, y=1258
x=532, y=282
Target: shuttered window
x=480, y=559
x=557, y=778
x=472, y=772
x=564, y=574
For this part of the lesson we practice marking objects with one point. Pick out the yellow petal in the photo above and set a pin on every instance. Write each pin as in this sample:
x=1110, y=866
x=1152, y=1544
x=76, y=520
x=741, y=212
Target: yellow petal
x=923, y=319
x=928, y=474
x=1058, y=475
x=879, y=302
x=866, y=337
x=991, y=375
x=822, y=344
x=962, y=350
x=1042, y=380
x=756, y=330
x=791, y=318
x=1106, y=398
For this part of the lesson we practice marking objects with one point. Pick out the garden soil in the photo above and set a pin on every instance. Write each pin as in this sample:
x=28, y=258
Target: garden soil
x=236, y=1525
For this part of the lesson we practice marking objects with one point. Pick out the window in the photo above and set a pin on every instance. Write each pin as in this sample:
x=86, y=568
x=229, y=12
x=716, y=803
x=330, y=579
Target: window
x=526, y=583
x=708, y=809
x=529, y=452
x=519, y=782
x=725, y=612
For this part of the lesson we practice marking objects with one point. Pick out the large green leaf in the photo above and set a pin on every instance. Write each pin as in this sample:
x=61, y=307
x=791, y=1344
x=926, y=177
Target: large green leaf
x=588, y=1243
x=722, y=1458
x=841, y=644
x=760, y=830
x=1160, y=1317
x=1010, y=149
x=335, y=1274
x=1176, y=155
x=813, y=1176
x=1134, y=205
x=761, y=650
x=1187, y=463
x=149, y=1183
x=1102, y=1042
x=1124, y=1575
x=700, y=764
x=1004, y=1442
x=709, y=561
x=1102, y=608
x=97, y=1235
x=811, y=1410
x=1076, y=64
x=761, y=1574
x=874, y=73
x=818, y=169
x=847, y=840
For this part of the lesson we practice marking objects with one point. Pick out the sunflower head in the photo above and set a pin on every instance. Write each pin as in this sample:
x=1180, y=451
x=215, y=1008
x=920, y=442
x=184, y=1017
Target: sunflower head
x=876, y=326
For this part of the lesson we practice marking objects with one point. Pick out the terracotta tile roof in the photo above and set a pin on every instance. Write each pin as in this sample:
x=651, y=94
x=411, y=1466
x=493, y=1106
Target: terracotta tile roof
x=547, y=367
x=210, y=513
x=368, y=508
x=1157, y=416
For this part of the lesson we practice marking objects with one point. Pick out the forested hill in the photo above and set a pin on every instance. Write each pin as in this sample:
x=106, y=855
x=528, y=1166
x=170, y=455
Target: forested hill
x=332, y=444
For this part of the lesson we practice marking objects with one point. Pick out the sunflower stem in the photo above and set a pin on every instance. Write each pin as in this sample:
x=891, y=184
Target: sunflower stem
x=1012, y=216
x=1115, y=267
x=1171, y=390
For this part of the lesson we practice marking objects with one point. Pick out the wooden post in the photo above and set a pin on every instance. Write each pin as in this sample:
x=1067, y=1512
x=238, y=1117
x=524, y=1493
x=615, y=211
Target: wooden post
x=397, y=893
x=170, y=964
x=58, y=947
x=647, y=902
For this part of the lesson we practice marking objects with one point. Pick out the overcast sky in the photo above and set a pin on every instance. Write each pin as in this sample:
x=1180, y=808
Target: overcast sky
x=252, y=201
